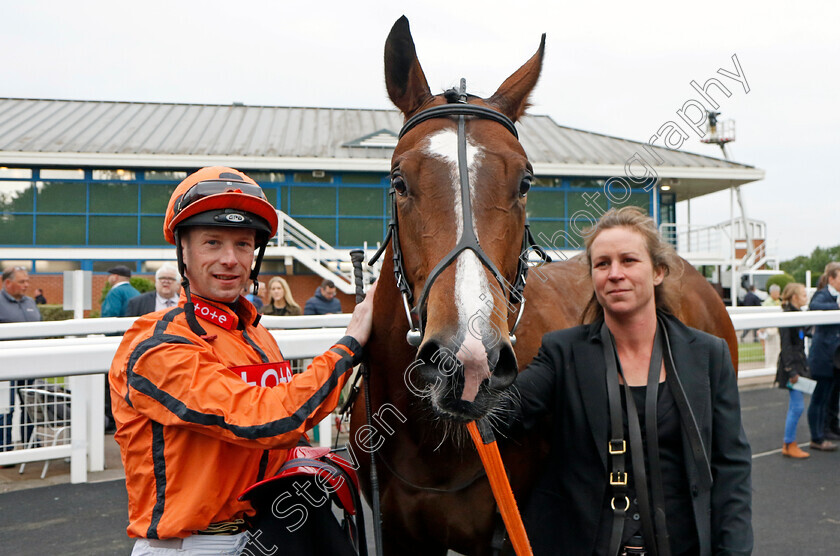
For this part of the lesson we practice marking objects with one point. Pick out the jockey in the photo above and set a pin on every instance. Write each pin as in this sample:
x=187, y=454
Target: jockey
x=204, y=402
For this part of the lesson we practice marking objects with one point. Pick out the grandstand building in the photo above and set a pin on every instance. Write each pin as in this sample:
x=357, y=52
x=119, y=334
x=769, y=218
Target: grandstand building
x=84, y=184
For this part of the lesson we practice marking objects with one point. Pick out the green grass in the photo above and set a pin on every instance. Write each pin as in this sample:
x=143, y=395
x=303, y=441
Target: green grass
x=750, y=353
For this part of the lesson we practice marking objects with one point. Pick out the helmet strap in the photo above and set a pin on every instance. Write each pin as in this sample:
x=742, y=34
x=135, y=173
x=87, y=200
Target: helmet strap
x=257, y=263
x=189, y=306
x=255, y=272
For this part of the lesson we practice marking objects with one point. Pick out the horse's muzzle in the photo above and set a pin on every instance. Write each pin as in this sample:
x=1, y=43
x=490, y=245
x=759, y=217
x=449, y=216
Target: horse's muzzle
x=467, y=384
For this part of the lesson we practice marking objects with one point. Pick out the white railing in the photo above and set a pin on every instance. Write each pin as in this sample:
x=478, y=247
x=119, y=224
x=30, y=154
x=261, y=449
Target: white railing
x=84, y=360
x=692, y=240
x=713, y=244
x=748, y=318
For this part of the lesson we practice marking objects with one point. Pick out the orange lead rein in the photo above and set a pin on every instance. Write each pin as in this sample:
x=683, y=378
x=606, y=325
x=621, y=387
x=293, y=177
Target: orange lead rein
x=492, y=461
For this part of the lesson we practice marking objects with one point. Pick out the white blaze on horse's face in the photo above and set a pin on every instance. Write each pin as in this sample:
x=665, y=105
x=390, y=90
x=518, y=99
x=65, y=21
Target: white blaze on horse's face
x=471, y=285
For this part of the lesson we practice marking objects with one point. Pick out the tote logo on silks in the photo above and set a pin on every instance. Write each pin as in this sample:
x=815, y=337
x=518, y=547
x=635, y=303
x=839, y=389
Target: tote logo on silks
x=214, y=315
x=265, y=374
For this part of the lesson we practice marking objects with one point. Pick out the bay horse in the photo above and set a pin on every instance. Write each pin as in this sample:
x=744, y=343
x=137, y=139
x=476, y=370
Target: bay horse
x=458, y=238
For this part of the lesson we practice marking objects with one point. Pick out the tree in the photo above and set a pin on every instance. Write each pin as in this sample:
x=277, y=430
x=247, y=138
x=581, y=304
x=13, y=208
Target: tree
x=139, y=283
x=815, y=263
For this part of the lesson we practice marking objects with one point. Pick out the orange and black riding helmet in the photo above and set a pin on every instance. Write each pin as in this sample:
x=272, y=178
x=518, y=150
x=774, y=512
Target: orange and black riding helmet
x=220, y=196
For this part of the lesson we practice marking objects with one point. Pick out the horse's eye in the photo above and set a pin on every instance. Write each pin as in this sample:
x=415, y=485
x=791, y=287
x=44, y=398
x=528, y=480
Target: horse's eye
x=398, y=183
x=525, y=185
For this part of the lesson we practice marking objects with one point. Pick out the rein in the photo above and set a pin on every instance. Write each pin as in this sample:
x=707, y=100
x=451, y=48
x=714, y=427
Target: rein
x=468, y=240
x=457, y=488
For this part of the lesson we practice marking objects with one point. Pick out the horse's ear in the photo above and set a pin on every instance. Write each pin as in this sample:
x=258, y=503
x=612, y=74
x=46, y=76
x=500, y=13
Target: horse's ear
x=404, y=78
x=512, y=96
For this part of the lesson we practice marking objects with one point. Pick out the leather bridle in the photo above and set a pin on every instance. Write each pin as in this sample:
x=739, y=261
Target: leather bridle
x=461, y=109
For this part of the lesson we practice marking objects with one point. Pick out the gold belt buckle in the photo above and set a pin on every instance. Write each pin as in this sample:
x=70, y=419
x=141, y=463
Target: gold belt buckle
x=616, y=448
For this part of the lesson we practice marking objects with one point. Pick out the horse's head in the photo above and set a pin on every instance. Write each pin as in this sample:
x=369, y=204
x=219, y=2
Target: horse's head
x=459, y=182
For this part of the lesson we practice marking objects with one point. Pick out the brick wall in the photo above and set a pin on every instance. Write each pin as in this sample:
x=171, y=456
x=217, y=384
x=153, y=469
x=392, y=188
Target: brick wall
x=303, y=287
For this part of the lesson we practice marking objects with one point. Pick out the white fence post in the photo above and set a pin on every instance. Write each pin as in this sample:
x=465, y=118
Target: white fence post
x=96, y=385
x=79, y=389
x=325, y=431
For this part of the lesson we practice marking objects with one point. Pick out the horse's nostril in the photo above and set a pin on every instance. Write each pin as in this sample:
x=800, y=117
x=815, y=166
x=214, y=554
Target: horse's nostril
x=505, y=370
x=427, y=352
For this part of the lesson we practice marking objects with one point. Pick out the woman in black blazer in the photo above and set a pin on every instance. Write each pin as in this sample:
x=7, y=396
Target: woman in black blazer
x=606, y=488
x=793, y=364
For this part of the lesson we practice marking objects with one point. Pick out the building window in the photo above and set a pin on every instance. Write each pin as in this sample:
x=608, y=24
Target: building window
x=323, y=227
x=113, y=230
x=313, y=201
x=114, y=197
x=316, y=176
x=15, y=173
x=62, y=197
x=62, y=174
x=267, y=177
x=114, y=175
x=165, y=175
x=155, y=197
x=559, y=214
x=362, y=201
x=16, y=196
x=60, y=230
x=16, y=229
x=354, y=232
x=151, y=230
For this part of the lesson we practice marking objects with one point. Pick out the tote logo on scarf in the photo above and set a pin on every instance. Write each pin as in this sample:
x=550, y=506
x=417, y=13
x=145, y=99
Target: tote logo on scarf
x=214, y=314
x=265, y=374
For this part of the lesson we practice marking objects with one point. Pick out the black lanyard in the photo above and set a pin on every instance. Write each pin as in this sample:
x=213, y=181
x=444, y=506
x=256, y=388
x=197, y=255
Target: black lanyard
x=652, y=521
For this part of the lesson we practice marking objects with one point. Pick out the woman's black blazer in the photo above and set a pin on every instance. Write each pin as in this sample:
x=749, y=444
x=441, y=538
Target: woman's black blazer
x=567, y=381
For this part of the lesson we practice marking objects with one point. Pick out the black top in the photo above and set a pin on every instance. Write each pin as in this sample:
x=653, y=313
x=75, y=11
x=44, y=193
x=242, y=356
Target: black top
x=792, y=359
x=283, y=311
x=565, y=385
x=675, y=488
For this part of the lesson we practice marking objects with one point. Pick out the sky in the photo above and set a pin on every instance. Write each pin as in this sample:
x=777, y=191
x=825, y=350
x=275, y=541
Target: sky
x=618, y=68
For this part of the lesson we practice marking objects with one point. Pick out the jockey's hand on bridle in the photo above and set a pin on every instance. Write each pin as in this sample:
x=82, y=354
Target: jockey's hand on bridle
x=362, y=318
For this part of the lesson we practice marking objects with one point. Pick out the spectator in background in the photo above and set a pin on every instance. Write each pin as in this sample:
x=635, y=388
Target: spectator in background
x=775, y=299
x=248, y=292
x=793, y=364
x=39, y=297
x=825, y=343
x=15, y=306
x=281, y=302
x=751, y=300
x=116, y=305
x=324, y=302
x=165, y=294
x=832, y=423
x=262, y=292
x=771, y=335
x=116, y=302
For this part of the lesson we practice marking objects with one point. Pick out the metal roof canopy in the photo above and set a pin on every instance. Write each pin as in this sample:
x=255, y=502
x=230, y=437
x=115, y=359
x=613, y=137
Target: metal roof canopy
x=107, y=134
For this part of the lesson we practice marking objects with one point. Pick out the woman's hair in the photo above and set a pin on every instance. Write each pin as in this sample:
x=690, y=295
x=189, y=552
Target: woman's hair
x=831, y=270
x=790, y=290
x=662, y=255
x=287, y=293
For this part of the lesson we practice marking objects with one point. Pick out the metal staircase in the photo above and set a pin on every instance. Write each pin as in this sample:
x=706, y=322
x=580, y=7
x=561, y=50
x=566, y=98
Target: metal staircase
x=294, y=240
x=713, y=245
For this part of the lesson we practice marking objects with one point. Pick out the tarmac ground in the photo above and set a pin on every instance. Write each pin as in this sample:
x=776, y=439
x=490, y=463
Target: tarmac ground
x=796, y=503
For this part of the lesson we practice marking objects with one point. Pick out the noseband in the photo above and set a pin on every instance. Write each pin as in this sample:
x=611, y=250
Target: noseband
x=468, y=240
